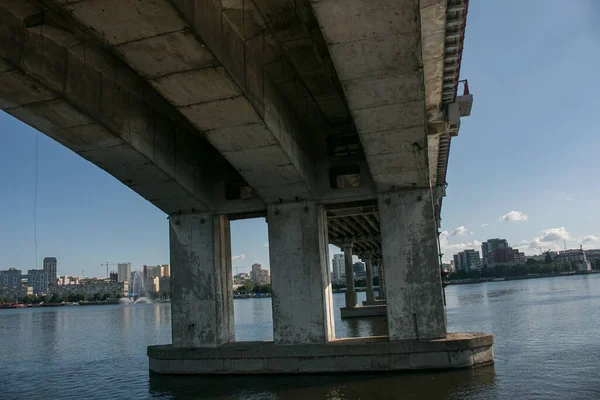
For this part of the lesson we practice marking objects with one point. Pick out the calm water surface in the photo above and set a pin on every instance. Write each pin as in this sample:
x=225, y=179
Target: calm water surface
x=547, y=347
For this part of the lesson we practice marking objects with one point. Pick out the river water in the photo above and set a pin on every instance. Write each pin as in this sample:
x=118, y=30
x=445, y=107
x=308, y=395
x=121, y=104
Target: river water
x=546, y=330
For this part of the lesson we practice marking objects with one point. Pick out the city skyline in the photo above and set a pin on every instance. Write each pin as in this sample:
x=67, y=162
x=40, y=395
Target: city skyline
x=519, y=169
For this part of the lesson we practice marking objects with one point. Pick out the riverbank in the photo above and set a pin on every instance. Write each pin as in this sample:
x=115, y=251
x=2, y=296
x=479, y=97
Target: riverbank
x=515, y=278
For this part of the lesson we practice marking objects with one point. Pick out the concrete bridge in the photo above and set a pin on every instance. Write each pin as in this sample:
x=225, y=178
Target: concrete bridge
x=331, y=118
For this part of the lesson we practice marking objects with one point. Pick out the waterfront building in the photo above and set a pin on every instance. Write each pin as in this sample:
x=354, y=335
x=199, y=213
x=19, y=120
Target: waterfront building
x=338, y=266
x=164, y=286
x=36, y=278
x=10, y=283
x=50, y=268
x=123, y=272
x=359, y=268
x=260, y=276
x=505, y=256
x=89, y=287
x=467, y=261
x=490, y=246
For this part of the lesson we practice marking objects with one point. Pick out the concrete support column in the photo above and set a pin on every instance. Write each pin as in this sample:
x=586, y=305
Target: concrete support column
x=370, y=291
x=412, y=273
x=201, y=280
x=381, y=280
x=298, y=250
x=351, y=300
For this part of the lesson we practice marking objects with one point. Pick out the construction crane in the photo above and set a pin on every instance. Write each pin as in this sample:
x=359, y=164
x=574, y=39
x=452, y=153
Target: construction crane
x=106, y=265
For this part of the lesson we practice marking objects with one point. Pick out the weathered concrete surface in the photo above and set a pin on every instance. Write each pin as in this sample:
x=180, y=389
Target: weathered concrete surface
x=86, y=99
x=201, y=280
x=412, y=272
x=374, y=310
x=214, y=78
x=299, y=262
x=462, y=350
x=370, y=291
x=351, y=299
x=379, y=63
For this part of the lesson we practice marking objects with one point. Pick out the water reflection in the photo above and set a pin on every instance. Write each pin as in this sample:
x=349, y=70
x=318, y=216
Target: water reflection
x=441, y=385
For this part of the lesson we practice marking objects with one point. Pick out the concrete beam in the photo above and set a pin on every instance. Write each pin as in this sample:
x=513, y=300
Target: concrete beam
x=82, y=97
x=209, y=81
x=379, y=63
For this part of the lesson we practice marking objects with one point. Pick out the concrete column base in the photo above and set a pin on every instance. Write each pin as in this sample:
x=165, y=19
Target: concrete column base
x=457, y=350
x=379, y=310
x=376, y=302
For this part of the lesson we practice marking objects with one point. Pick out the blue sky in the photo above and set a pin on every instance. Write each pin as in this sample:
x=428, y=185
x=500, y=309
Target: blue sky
x=530, y=147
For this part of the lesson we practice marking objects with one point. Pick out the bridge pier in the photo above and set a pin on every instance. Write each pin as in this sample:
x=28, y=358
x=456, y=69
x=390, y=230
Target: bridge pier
x=415, y=306
x=201, y=280
x=302, y=299
x=303, y=327
x=351, y=298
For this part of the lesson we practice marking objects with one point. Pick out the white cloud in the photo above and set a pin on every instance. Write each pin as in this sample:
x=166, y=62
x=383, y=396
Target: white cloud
x=266, y=245
x=590, y=238
x=484, y=225
x=240, y=257
x=449, y=249
x=514, y=216
x=554, y=234
x=460, y=231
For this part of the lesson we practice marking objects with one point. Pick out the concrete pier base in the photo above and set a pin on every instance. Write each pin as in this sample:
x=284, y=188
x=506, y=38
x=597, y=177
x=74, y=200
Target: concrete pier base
x=375, y=302
x=378, y=310
x=457, y=350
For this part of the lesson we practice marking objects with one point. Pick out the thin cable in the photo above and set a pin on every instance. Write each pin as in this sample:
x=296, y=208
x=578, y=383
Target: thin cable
x=35, y=200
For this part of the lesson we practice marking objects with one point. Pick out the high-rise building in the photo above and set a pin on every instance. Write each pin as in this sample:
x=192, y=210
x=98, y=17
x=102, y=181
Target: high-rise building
x=124, y=272
x=10, y=283
x=490, y=247
x=254, y=272
x=36, y=278
x=359, y=267
x=467, y=260
x=260, y=276
x=50, y=270
x=337, y=263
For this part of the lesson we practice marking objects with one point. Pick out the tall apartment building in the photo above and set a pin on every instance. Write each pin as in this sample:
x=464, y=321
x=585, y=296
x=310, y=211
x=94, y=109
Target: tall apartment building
x=36, y=278
x=50, y=264
x=467, y=260
x=338, y=266
x=490, y=247
x=123, y=272
x=260, y=276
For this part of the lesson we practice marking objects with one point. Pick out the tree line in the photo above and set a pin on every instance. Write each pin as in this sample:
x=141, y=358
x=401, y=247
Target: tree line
x=546, y=267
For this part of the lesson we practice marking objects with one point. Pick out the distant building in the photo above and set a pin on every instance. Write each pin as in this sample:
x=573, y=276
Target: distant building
x=467, y=261
x=490, y=247
x=505, y=256
x=338, y=266
x=36, y=278
x=260, y=276
x=68, y=280
x=359, y=268
x=578, y=258
x=50, y=264
x=113, y=276
x=90, y=287
x=10, y=284
x=164, y=285
x=124, y=272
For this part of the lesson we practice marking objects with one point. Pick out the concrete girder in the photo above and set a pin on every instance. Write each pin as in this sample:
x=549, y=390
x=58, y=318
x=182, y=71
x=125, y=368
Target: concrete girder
x=193, y=55
x=88, y=101
x=380, y=65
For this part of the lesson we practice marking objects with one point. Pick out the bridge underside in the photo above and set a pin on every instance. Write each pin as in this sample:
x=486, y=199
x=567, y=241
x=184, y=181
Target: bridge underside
x=332, y=118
